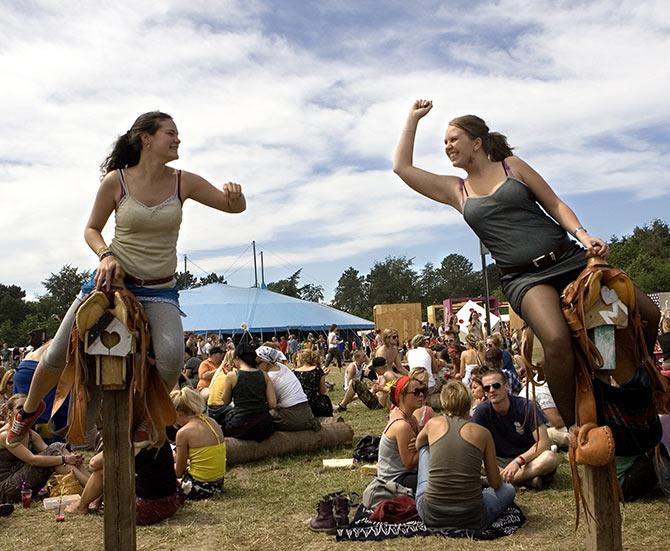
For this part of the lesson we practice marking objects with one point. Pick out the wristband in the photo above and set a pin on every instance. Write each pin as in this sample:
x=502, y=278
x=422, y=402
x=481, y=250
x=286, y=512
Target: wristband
x=520, y=461
x=578, y=229
x=63, y=458
x=102, y=250
x=106, y=254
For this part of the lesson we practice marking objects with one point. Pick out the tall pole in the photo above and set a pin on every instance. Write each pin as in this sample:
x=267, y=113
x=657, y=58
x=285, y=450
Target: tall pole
x=262, y=272
x=255, y=268
x=484, y=251
x=185, y=259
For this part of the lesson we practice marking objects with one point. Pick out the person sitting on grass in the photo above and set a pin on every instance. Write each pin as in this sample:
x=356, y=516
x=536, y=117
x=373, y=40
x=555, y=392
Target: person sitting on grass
x=389, y=349
x=495, y=356
x=476, y=389
x=313, y=381
x=207, y=369
x=200, y=453
x=30, y=463
x=156, y=496
x=292, y=412
x=251, y=391
x=385, y=378
x=354, y=385
x=451, y=450
x=398, y=457
x=540, y=393
x=519, y=433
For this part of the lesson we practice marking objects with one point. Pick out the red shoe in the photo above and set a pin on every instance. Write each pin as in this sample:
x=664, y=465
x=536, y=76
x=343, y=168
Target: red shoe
x=21, y=425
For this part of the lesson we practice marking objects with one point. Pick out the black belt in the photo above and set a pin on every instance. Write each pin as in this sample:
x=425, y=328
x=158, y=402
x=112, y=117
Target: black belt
x=541, y=262
x=144, y=282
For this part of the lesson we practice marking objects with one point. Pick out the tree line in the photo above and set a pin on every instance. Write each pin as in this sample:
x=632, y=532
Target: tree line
x=644, y=255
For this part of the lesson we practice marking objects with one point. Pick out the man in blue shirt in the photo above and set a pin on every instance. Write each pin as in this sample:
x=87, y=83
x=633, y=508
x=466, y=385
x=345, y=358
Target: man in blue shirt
x=519, y=433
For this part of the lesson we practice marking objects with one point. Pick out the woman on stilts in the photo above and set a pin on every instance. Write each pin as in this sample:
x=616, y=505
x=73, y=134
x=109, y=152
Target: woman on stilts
x=525, y=226
x=146, y=196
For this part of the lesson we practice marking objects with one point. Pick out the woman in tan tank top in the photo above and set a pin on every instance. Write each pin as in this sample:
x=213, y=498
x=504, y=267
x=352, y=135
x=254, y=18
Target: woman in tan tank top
x=146, y=196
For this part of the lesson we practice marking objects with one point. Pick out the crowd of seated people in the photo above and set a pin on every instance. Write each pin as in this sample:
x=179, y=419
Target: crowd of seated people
x=251, y=390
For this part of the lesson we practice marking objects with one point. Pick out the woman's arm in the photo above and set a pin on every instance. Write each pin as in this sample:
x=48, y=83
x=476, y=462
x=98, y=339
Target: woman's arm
x=229, y=199
x=181, y=452
x=270, y=394
x=490, y=463
x=24, y=454
x=109, y=268
x=228, y=384
x=444, y=189
x=38, y=444
x=404, y=437
x=556, y=208
x=422, y=437
x=323, y=389
x=461, y=373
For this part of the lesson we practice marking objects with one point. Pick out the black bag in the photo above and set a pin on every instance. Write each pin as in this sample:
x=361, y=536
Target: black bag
x=630, y=412
x=367, y=449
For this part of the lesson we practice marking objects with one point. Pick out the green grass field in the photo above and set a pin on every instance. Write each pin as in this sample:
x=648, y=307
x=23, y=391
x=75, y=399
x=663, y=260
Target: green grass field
x=267, y=505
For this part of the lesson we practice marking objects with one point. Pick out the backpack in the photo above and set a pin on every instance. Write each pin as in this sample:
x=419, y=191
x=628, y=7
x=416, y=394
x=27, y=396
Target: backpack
x=367, y=449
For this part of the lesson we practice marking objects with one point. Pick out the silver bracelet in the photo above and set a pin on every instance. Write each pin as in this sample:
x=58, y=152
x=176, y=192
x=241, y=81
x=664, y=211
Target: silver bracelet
x=578, y=229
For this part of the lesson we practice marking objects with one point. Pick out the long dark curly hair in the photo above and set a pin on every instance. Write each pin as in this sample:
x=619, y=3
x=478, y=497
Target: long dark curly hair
x=127, y=148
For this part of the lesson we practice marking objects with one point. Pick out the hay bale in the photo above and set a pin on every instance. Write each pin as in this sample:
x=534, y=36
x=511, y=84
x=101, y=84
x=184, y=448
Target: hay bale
x=331, y=435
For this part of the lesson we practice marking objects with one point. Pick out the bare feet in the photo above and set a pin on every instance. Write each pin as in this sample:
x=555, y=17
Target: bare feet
x=76, y=507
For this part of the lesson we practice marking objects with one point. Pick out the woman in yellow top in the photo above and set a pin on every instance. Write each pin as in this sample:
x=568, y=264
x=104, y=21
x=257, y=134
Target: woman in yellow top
x=200, y=455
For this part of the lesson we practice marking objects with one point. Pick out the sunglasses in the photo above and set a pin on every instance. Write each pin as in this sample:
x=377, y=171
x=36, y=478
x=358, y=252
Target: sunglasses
x=494, y=386
x=423, y=391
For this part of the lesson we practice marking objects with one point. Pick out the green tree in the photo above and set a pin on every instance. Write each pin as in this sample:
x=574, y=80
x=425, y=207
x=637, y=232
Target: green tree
x=185, y=280
x=62, y=288
x=429, y=285
x=288, y=286
x=392, y=281
x=457, y=279
x=311, y=292
x=644, y=255
x=13, y=306
x=351, y=293
x=210, y=278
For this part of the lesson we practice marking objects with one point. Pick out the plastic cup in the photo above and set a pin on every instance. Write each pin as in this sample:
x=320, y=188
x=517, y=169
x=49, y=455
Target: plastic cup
x=26, y=498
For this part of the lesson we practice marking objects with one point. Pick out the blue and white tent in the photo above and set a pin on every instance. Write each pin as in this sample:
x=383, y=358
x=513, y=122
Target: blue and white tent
x=220, y=308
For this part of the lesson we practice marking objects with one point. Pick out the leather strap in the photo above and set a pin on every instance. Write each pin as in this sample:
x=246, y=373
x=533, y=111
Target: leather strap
x=541, y=262
x=144, y=282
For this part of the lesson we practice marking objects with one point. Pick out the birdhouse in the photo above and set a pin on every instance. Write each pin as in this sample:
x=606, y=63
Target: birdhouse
x=111, y=348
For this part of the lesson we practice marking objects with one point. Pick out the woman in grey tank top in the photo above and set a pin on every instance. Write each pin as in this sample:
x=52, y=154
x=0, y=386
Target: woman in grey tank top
x=524, y=224
x=451, y=449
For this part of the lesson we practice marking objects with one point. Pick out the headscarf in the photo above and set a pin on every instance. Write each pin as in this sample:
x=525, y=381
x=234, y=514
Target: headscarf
x=270, y=355
x=399, y=385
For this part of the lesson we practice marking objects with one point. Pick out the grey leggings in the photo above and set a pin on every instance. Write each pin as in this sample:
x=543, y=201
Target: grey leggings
x=167, y=336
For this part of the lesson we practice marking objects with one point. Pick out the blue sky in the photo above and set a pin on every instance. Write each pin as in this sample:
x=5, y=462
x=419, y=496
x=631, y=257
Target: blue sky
x=302, y=103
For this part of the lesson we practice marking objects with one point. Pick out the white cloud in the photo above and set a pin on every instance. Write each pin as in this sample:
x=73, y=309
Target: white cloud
x=311, y=135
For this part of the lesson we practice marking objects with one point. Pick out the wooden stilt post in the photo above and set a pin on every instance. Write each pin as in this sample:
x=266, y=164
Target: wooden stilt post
x=603, y=533
x=114, y=353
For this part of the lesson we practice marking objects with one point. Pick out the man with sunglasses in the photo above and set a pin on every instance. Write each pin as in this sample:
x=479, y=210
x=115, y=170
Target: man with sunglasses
x=519, y=432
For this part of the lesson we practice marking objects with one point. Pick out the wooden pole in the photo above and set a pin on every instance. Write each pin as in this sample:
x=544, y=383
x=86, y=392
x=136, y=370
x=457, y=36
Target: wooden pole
x=119, y=469
x=603, y=533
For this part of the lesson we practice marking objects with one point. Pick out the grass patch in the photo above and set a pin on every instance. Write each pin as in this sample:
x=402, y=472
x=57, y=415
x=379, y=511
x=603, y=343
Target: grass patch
x=267, y=504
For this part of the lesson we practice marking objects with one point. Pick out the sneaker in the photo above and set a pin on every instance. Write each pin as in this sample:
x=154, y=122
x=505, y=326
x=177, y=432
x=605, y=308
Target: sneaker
x=142, y=434
x=21, y=425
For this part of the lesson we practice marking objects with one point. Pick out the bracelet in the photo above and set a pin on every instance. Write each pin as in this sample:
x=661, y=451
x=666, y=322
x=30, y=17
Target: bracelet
x=578, y=229
x=106, y=254
x=101, y=251
x=63, y=458
x=520, y=461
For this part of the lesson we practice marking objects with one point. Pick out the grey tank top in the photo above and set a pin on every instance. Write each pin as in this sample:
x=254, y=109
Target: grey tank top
x=453, y=496
x=389, y=462
x=512, y=224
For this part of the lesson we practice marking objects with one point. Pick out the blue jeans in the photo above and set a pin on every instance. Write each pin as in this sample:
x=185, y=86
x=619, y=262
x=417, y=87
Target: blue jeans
x=495, y=501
